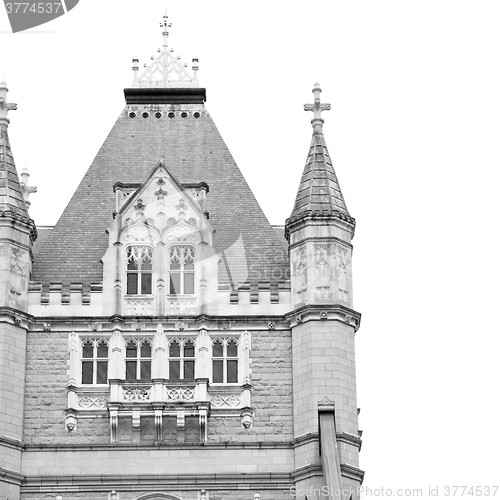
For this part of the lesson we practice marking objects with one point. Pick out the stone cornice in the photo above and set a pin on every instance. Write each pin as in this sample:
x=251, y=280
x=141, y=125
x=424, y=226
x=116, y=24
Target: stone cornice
x=9, y=476
x=156, y=482
x=313, y=437
x=324, y=312
x=21, y=220
x=307, y=471
x=179, y=446
x=349, y=439
x=11, y=443
x=321, y=239
x=311, y=470
x=192, y=324
x=315, y=216
x=310, y=437
x=352, y=472
x=10, y=312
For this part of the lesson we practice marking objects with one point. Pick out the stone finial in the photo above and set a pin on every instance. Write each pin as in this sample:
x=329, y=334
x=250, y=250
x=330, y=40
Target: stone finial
x=317, y=108
x=164, y=25
x=26, y=188
x=164, y=70
x=5, y=106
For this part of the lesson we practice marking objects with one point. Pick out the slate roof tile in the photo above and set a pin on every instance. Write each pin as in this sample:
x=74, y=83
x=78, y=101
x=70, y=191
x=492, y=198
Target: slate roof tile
x=319, y=189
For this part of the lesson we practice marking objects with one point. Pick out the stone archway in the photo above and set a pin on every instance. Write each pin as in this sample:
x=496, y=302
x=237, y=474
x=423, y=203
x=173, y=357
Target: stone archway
x=158, y=496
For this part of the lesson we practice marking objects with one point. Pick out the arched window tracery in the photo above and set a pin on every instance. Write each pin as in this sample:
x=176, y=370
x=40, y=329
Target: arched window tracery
x=181, y=270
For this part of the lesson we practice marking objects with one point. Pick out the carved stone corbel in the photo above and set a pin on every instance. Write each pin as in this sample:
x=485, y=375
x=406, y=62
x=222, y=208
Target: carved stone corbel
x=113, y=423
x=70, y=419
x=246, y=417
x=159, y=425
x=202, y=419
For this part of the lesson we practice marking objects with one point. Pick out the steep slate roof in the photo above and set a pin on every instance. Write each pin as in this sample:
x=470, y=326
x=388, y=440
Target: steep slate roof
x=194, y=151
x=280, y=232
x=43, y=232
x=319, y=188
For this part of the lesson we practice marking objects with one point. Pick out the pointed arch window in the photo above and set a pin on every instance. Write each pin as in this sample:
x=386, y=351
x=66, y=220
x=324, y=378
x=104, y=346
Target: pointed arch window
x=138, y=354
x=181, y=361
x=181, y=269
x=224, y=361
x=95, y=361
x=139, y=270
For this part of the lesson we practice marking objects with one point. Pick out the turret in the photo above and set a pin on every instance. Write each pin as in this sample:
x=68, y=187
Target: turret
x=319, y=231
x=17, y=234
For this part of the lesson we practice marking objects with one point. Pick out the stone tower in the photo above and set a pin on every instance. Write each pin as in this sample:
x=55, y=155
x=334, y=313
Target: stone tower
x=168, y=342
x=323, y=323
x=17, y=234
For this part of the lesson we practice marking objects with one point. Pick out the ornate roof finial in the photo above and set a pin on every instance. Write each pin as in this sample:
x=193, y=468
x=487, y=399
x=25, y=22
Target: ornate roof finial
x=11, y=193
x=25, y=187
x=317, y=108
x=165, y=25
x=164, y=70
x=5, y=106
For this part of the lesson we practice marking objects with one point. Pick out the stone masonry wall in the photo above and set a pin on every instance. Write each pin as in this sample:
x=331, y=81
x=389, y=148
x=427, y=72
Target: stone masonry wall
x=46, y=397
x=271, y=395
x=46, y=380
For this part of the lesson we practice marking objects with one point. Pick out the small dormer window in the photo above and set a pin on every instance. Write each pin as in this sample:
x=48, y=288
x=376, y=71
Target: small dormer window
x=181, y=269
x=139, y=270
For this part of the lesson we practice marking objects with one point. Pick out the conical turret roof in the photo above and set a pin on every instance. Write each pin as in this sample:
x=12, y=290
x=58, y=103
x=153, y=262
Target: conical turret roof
x=11, y=195
x=319, y=187
x=319, y=190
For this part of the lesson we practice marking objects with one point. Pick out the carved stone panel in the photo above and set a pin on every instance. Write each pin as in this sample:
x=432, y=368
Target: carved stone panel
x=299, y=273
x=181, y=306
x=342, y=272
x=139, y=306
x=169, y=430
x=323, y=273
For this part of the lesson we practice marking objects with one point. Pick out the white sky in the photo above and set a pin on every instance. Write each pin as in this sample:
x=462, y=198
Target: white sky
x=413, y=133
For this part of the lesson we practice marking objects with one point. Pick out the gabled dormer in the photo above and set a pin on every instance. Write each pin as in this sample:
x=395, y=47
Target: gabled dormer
x=160, y=260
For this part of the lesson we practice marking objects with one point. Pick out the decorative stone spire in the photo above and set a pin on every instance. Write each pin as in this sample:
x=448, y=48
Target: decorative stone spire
x=317, y=108
x=319, y=191
x=165, y=70
x=5, y=106
x=11, y=193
